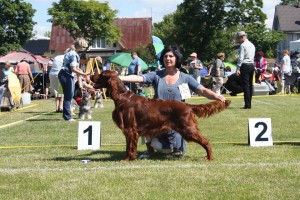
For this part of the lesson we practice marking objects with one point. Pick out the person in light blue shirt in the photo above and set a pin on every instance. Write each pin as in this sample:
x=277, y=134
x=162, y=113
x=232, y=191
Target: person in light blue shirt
x=135, y=65
x=6, y=71
x=66, y=79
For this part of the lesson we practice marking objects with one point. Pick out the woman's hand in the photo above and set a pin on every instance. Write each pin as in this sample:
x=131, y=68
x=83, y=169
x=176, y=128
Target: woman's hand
x=210, y=94
x=220, y=98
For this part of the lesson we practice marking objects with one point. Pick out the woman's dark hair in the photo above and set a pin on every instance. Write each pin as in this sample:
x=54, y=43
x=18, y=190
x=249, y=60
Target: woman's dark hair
x=177, y=54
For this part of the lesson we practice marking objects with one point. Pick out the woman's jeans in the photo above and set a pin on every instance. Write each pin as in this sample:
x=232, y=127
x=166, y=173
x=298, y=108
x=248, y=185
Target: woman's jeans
x=67, y=83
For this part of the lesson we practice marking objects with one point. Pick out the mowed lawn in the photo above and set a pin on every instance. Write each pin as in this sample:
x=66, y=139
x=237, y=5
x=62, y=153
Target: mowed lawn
x=39, y=157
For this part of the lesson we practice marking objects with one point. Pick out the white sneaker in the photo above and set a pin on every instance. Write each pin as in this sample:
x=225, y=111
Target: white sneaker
x=71, y=120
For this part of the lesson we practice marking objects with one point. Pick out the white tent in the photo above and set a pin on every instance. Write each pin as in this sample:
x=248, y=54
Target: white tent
x=295, y=45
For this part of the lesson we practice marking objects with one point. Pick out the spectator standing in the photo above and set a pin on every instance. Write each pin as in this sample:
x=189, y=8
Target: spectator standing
x=66, y=79
x=6, y=71
x=134, y=68
x=24, y=74
x=195, y=67
x=286, y=72
x=245, y=67
x=218, y=72
x=54, y=82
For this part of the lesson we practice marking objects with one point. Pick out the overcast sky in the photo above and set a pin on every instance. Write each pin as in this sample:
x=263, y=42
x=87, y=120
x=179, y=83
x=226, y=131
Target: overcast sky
x=132, y=8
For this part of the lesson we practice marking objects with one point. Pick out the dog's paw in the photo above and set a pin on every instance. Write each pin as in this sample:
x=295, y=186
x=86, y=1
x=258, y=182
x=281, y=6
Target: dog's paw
x=206, y=159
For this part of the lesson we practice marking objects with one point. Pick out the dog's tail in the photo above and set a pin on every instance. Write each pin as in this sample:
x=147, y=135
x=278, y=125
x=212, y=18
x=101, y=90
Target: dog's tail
x=206, y=110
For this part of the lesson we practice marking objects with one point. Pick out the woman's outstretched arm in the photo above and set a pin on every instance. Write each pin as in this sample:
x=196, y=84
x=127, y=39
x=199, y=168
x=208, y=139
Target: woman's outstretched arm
x=132, y=79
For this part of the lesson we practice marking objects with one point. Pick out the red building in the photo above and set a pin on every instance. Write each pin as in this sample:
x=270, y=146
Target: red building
x=136, y=32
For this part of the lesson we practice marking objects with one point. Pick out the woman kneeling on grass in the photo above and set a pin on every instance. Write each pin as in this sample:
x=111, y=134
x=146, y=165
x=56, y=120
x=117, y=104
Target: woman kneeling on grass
x=166, y=85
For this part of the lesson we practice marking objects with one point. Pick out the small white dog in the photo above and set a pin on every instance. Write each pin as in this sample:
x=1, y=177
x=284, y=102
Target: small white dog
x=98, y=99
x=74, y=106
x=85, y=106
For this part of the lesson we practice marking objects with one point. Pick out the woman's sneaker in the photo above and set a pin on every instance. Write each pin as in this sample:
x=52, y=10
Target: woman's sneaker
x=177, y=153
x=146, y=155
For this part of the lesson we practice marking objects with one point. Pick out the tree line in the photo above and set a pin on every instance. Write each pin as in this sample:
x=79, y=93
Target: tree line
x=204, y=26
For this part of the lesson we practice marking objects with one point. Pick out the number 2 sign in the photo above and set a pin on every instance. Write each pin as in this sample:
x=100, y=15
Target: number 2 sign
x=89, y=135
x=260, y=132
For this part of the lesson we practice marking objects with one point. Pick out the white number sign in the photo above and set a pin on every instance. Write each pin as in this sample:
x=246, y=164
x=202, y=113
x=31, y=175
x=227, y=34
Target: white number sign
x=260, y=132
x=89, y=136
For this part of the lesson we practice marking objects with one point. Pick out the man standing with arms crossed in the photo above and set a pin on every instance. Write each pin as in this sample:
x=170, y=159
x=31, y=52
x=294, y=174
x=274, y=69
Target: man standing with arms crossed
x=245, y=66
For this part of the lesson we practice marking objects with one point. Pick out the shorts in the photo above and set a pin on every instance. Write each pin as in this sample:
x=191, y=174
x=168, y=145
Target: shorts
x=55, y=86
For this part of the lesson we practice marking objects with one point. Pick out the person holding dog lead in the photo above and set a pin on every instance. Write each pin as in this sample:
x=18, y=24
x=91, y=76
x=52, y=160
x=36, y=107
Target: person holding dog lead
x=66, y=79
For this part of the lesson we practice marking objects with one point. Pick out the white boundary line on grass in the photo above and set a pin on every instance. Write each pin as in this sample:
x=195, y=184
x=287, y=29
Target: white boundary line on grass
x=131, y=167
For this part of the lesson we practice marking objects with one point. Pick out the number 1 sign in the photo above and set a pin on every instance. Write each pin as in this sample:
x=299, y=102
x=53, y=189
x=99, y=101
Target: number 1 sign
x=89, y=135
x=260, y=132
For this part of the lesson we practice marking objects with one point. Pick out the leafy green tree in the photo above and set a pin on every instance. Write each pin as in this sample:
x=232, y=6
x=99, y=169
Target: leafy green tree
x=147, y=53
x=89, y=19
x=289, y=2
x=166, y=30
x=47, y=34
x=205, y=26
x=16, y=24
x=209, y=26
x=265, y=40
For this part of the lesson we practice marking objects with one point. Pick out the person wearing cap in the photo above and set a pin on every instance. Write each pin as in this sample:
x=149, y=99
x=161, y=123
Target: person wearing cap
x=245, y=66
x=66, y=78
x=195, y=67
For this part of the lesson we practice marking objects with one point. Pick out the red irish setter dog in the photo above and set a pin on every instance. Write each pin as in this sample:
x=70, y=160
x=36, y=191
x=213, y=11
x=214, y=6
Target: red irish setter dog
x=138, y=116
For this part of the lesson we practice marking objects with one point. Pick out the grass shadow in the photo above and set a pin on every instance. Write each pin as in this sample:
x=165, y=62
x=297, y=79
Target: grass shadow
x=41, y=113
x=287, y=143
x=41, y=120
x=113, y=156
x=107, y=156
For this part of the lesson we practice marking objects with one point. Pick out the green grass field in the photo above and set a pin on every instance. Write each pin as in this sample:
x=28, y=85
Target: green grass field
x=39, y=157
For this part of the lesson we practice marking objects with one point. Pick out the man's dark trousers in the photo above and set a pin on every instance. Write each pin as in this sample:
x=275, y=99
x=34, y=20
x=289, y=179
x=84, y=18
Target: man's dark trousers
x=247, y=72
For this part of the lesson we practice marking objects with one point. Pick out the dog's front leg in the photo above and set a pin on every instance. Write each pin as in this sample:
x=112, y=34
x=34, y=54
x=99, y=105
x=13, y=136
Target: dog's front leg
x=131, y=145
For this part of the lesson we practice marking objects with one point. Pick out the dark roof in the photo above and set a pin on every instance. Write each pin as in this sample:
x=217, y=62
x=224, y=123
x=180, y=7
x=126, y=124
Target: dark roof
x=136, y=32
x=37, y=47
x=287, y=18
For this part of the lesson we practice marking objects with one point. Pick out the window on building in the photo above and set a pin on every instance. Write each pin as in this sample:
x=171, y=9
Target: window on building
x=99, y=43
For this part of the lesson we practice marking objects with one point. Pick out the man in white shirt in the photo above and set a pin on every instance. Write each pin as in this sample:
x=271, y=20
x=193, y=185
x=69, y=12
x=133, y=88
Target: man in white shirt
x=245, y=66
x=286, y=72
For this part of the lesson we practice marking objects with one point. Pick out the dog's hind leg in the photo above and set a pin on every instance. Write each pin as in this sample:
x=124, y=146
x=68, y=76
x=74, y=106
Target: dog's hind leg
x=195, y=136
